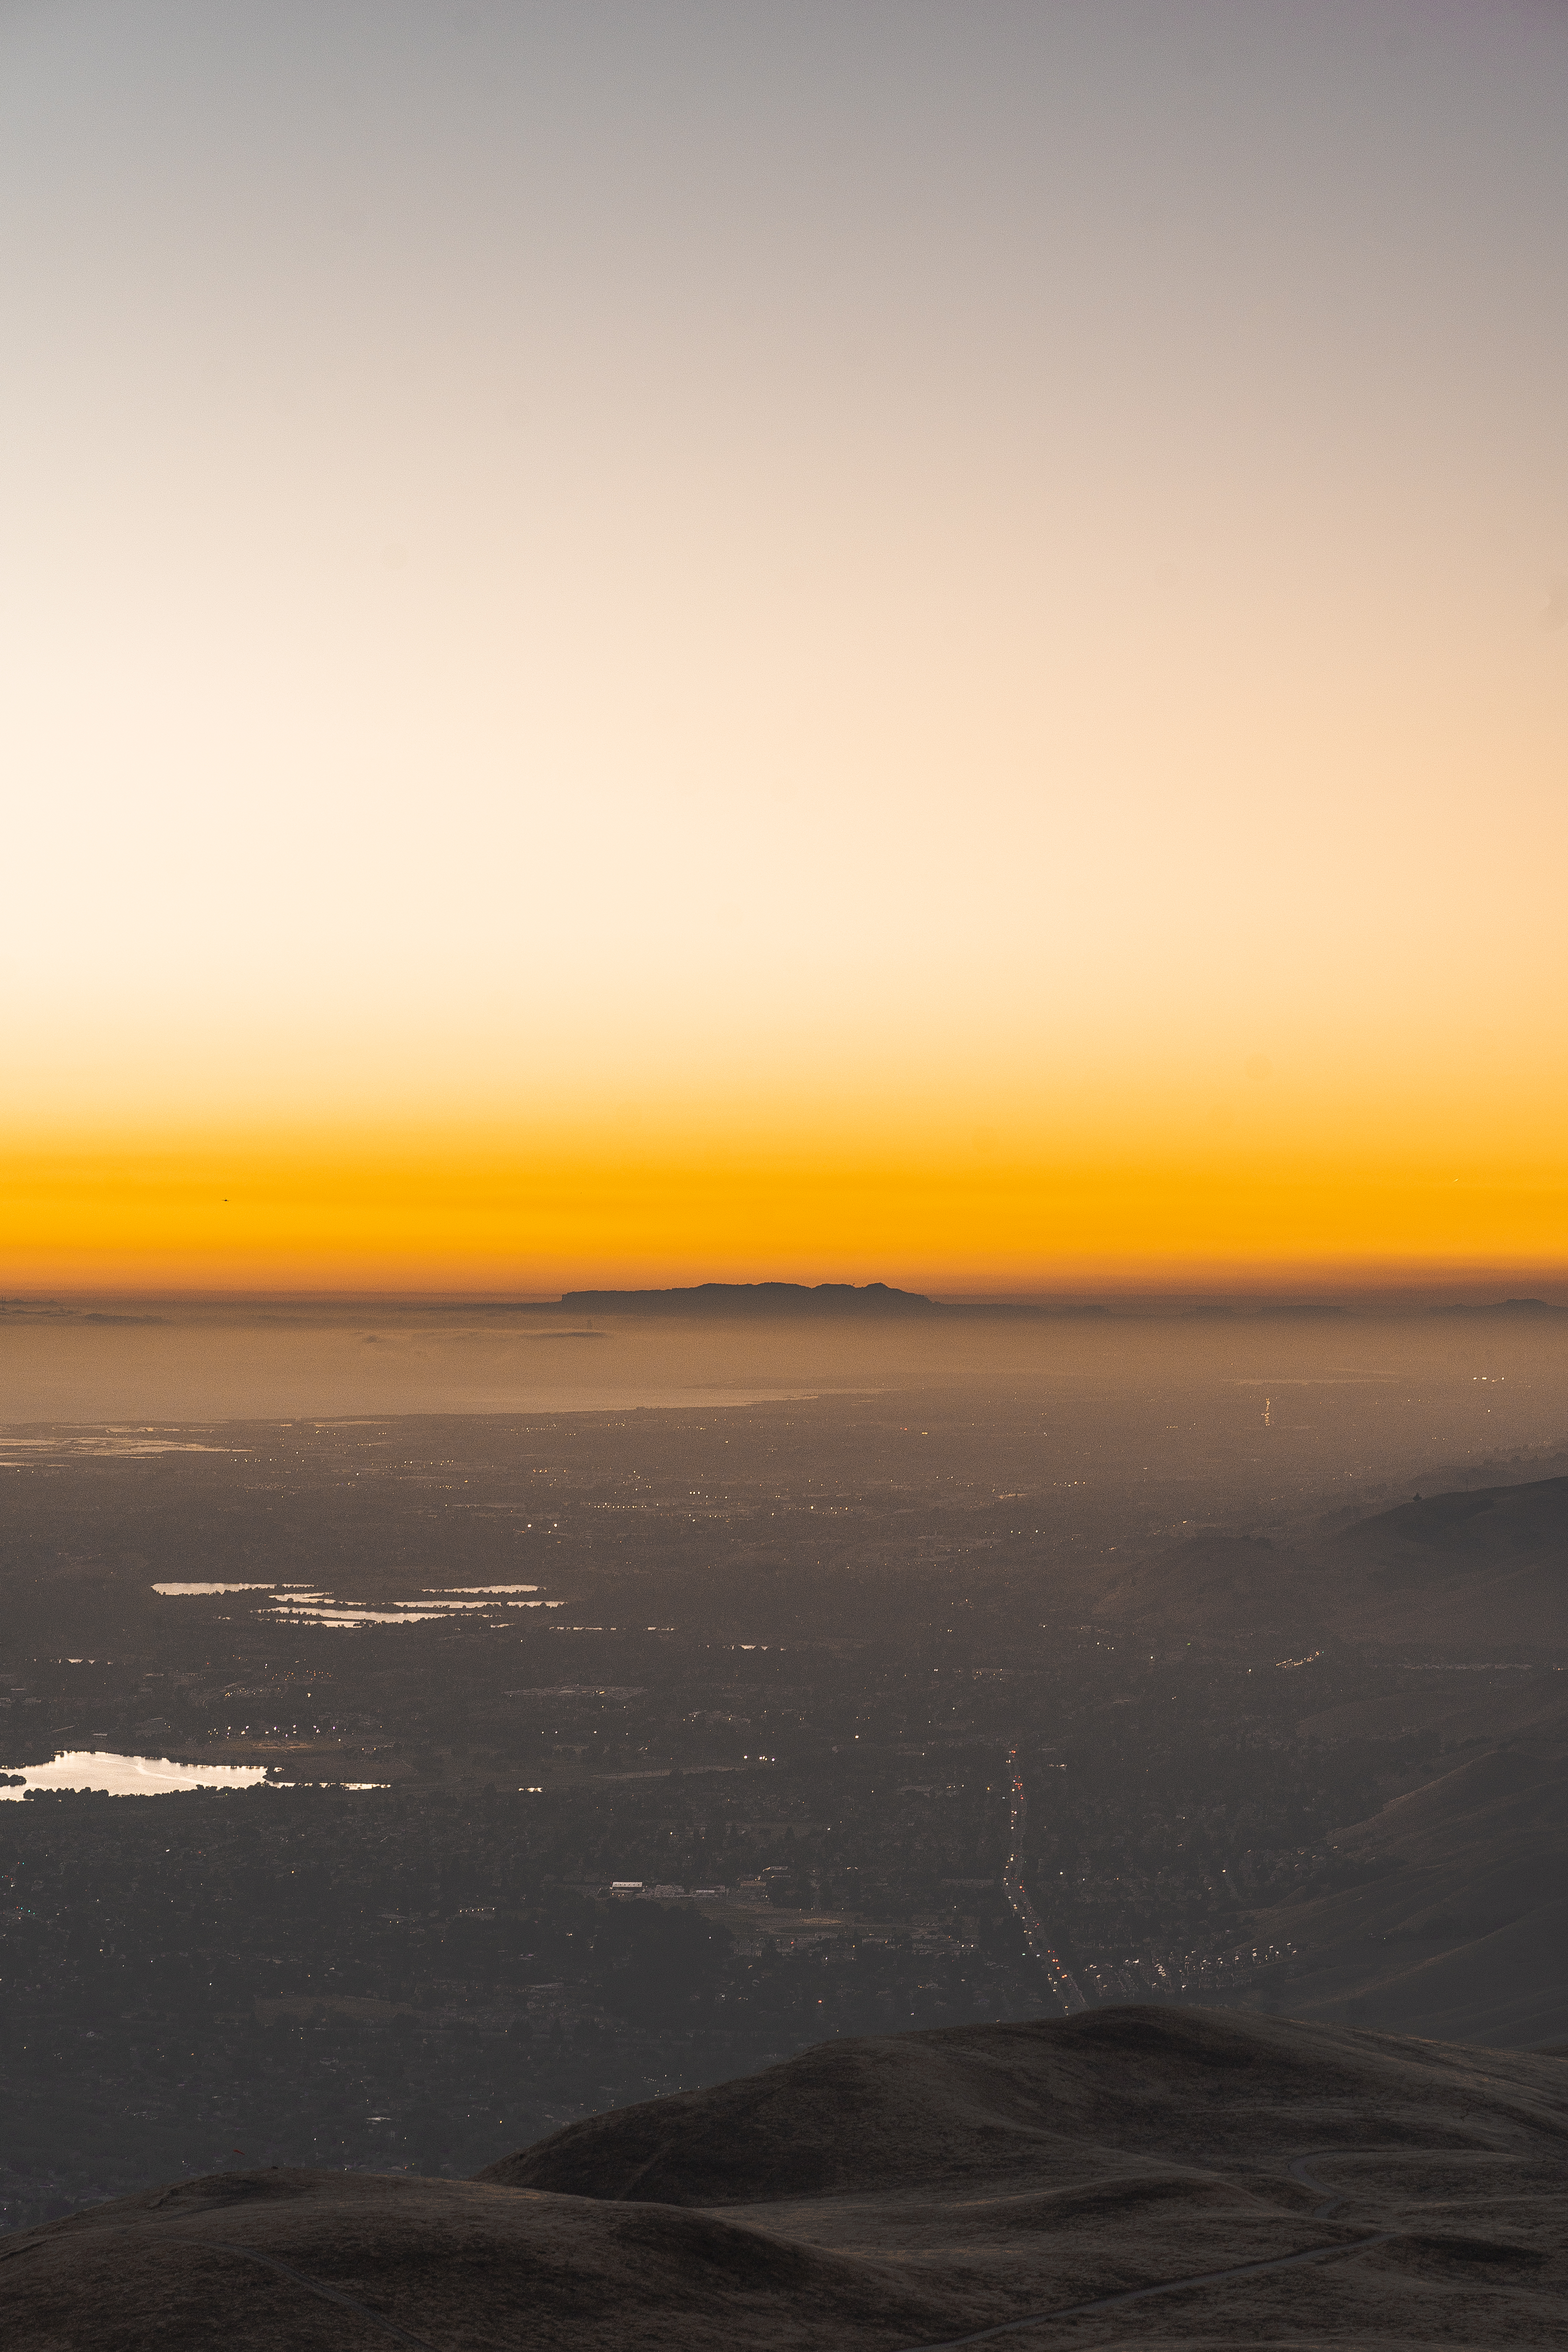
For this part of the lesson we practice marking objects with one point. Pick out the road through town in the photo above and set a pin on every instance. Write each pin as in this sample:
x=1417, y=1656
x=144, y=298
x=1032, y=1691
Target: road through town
x=1057, y=1976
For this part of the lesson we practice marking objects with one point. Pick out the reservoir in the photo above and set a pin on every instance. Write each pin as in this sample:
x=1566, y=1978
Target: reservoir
x=124, y=1776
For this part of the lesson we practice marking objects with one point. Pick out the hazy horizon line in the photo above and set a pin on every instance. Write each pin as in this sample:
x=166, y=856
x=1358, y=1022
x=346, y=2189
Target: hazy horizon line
x=1275, y=1287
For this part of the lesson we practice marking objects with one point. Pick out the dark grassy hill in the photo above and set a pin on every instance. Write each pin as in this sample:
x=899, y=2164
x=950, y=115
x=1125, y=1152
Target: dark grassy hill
x=1222, y=1584
x=1484, y=1569
x=1460, y=1926
x=1249, y=2180
x=1489, y=1566
x=1056, y=2097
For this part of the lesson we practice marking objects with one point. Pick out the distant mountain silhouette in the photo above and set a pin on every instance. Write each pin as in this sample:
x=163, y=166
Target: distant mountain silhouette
x=1238, y=2180
x=744, y=1300
x=739, y=1299
x=1521, y=1306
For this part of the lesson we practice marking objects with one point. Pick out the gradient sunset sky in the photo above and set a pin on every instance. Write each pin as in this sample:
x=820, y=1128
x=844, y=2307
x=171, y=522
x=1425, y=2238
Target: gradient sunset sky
x=840, y=642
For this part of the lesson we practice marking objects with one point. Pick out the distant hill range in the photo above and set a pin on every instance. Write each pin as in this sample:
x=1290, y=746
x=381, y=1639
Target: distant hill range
x=748, y=1299
x=1526, y=1309
x=1452, y=1915
x=1193, y=2177
x=882, y=1302
x=832, y=1300
x=1484, y=1567
x=1446, y=1911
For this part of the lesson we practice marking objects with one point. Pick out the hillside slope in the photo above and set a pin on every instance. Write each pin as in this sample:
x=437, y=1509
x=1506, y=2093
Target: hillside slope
x=1484, y=1568
x=1458, y=1929
x=1242, y=2180
x=1487, y=1567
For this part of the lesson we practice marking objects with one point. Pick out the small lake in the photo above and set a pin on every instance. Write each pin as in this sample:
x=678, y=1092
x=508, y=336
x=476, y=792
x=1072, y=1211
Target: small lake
x=125, y=1776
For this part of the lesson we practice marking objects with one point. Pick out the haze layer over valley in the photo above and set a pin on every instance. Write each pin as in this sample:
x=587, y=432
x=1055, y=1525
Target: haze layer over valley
x=595, y=1755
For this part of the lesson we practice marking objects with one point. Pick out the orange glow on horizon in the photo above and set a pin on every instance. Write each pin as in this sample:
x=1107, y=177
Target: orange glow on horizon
x=533, y=1223
x=939, y=654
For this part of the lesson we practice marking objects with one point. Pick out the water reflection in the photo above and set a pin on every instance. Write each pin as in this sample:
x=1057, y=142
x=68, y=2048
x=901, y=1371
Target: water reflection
x=305, y=1605
x=124, y=1776
x=320, y=1609
x=170, y=1591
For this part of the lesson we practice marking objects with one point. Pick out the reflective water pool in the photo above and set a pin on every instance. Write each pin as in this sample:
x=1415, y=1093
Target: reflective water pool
x=123, y=1776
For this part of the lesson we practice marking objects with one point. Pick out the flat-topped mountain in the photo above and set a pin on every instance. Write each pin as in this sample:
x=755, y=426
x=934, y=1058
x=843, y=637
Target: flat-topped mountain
x=1195, y=2176
x=781, y=1301
x=746, y=1301
x=746, y=1298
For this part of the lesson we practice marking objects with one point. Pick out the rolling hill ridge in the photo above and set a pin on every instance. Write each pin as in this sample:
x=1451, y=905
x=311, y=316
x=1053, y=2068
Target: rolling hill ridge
x=1225, y=2180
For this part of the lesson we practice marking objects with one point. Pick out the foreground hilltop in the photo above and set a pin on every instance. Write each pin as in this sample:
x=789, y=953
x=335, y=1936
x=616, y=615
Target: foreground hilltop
x=1195, y=2177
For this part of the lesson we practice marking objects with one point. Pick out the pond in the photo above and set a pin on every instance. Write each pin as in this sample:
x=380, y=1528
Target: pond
x=124, y=1776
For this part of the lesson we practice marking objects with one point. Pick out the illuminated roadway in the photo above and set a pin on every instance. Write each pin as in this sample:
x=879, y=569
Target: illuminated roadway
x=1059, y=1978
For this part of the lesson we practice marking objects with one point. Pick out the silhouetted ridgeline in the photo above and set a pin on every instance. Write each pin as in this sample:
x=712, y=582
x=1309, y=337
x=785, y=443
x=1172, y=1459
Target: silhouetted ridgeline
x=883, y=1302
x=894, y=2194
x=770, y=1298
x=1523, y=1306
x=753, y=1298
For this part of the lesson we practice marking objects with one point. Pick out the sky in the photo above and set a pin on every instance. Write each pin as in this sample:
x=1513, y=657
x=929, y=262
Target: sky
x=835, y=642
